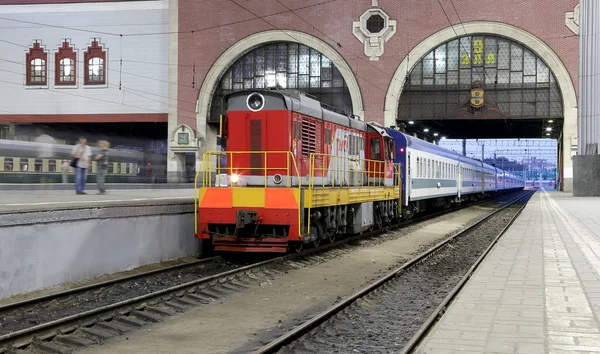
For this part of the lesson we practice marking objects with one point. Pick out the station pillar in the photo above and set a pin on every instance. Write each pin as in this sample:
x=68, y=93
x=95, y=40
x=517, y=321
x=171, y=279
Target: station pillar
x=586, y=164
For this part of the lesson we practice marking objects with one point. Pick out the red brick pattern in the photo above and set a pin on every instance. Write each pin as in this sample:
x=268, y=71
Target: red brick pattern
x=215, y=30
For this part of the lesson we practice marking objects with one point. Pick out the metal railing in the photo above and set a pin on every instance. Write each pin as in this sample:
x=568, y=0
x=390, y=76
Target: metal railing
x=333, y=171
x=346, y=171
x=290, y=170
x=345, y=175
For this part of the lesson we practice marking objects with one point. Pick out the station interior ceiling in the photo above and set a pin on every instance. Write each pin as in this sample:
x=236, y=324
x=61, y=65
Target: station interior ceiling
x=136, y=133
x=484, y=129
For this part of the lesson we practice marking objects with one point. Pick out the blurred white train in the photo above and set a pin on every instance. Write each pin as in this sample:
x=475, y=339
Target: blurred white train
x=19, y=163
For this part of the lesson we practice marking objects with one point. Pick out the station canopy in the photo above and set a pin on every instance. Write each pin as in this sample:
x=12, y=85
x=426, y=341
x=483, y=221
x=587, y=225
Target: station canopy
x=481, y=86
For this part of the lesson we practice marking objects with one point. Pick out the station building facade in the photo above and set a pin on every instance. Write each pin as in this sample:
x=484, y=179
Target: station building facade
x=375, y=59
x=85, y=66
x=388, y=61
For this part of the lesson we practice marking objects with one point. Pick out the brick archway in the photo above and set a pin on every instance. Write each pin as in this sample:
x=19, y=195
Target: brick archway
x=539, y=47
x=238, y=49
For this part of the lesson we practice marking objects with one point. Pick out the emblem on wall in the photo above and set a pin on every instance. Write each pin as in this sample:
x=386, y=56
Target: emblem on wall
x=477, y=97
x=480, y=105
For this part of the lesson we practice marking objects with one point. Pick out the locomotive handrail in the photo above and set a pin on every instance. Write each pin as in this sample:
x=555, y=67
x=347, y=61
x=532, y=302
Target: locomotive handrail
x=290, y=169
x=370, y=168
x=367, y=167
x=196, y=197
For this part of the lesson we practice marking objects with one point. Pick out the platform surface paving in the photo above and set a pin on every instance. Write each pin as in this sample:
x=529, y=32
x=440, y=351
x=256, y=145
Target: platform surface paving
x=537, y=291
x=50, y=199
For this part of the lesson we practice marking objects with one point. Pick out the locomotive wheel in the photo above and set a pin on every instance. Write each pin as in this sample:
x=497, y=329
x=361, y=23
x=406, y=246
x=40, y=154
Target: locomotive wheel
x=331, y=237
x=314, y=233
x=317, y=242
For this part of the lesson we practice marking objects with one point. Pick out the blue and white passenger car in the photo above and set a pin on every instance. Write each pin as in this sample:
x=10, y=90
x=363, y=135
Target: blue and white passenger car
x=434, y=176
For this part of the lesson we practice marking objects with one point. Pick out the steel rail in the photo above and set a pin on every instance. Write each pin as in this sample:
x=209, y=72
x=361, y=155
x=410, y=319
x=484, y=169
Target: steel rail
x=315, y=321
x=84, y=317
x=81, y=289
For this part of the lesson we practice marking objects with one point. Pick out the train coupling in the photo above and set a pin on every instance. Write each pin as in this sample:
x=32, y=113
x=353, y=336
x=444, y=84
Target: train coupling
x=245, y=217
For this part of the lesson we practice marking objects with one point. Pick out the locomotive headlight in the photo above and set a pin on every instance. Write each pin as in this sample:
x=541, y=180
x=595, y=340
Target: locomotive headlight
x=255, y=102
x=277, y=179
x=235, y=178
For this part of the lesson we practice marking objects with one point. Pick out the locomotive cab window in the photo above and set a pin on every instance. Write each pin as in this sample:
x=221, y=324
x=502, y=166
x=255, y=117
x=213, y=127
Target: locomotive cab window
x=375, y=149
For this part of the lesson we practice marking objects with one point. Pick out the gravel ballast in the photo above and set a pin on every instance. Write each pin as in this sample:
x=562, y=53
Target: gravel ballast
x=39, y=313
x=384, y=320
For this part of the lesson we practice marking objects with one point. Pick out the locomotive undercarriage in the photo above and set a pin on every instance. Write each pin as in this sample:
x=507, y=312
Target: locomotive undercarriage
x=329, y=222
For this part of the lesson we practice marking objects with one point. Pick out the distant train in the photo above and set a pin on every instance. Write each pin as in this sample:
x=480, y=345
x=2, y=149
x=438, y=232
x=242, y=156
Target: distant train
x=19, y=164
x=295, y=172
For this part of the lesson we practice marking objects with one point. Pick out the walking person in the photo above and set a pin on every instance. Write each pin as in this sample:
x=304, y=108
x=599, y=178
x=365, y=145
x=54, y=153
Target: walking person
x=45, y=149
x=81, y=161
x=102, y=166
x=65, y=171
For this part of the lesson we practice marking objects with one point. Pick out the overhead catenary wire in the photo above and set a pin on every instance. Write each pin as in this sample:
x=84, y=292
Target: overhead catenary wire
x=80, y=29
x=124, y=89
x=256, y=17
x=299, y=41
x=79, y=62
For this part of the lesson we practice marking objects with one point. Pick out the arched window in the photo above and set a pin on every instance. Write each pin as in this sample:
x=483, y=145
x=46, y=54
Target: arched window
x=95, y=64
x=37, y=70
x=65, y=65
x=284, y=65
x=485, y=76
x=66, y=70
x=96, y=70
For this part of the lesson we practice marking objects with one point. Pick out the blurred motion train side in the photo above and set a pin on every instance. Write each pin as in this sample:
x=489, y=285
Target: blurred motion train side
x=19, y=163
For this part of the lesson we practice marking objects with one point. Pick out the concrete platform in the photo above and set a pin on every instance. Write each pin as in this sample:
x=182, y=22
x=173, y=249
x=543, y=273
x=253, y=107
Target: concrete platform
x=52, y=236
x=537, y=291
x=47, y=199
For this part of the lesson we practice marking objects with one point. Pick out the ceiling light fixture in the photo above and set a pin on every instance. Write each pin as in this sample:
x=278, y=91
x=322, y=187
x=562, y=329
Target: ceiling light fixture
x=435, y=134
x=426, y=130
x=411, y=122
x=550, y=121
x=549, y=129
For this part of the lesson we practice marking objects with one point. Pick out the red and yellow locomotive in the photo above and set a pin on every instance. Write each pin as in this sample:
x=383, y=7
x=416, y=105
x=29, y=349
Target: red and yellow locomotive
x=294, y=172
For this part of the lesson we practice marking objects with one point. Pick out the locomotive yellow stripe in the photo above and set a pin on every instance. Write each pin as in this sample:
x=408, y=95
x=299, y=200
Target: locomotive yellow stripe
x=245, y=197
x=322, y=197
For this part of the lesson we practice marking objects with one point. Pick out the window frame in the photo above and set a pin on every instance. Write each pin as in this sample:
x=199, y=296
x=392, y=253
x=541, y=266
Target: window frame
x=65, y=51
x=95, y=50
x=36, y=51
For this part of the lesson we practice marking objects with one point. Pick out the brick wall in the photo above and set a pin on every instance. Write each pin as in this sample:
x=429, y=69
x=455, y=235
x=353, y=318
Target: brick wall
x=215, y=30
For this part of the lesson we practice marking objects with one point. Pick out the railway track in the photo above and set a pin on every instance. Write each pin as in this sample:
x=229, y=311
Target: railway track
x=396, y=311
x=89, y=315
